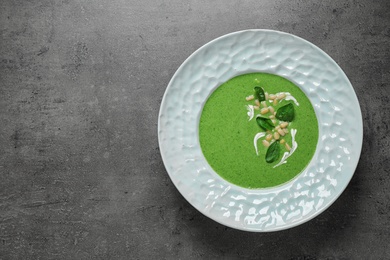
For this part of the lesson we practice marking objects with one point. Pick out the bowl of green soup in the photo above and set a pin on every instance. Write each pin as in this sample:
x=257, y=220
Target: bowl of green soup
x=260, y=130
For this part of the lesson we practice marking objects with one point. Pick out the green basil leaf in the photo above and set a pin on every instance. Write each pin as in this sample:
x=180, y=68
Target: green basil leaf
x=259, y=93
x=285, y=113
x=265, y=123
x=273, y=152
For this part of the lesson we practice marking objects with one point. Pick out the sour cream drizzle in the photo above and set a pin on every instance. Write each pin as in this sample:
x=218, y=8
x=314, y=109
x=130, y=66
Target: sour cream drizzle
x=293, y=148
x=251, y=112
x=287, y=97
x=257, y=137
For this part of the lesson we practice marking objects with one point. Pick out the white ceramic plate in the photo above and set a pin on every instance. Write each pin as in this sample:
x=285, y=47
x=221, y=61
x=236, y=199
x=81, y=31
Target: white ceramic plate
x=335, y=104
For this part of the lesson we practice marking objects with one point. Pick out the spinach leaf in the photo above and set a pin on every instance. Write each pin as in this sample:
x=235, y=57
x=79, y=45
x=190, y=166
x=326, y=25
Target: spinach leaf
x=285, y=113
x=273, y=152
x=265, y=123
x=259, y=93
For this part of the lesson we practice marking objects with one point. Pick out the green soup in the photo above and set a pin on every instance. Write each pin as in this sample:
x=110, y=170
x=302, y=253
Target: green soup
x=227, y=136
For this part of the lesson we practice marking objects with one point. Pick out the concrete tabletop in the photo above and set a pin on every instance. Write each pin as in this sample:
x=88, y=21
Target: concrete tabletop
x=81, y=83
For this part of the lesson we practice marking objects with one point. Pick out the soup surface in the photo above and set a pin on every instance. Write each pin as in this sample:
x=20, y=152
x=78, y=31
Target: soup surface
x=240, y=148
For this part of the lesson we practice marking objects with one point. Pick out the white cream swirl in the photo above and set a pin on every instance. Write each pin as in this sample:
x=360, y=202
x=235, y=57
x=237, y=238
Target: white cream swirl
x=287, y=96
x=257, y=137
x=293, y=148
x=251, y=112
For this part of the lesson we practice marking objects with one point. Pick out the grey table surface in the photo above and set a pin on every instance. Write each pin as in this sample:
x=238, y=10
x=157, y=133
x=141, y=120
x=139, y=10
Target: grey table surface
x=81, y=82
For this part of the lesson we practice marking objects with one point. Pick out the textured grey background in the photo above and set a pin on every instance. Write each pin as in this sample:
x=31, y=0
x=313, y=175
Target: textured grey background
x=81, y=83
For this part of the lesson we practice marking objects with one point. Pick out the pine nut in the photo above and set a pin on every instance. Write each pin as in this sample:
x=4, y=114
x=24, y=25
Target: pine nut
x=268, y=137
x=271, y=117
x=273, y=121
x=277, y=127
x=275, y=102
x=265, y=143
x=257, y=102
x=281, y=96
x=256, y=107
x=288, y=148
x=276, y=136
x=272, y=96
x=281, y=132
x=284, y=125
x=285, y=130
x=282, y=141
x=263, y=104
x=249, y=98
x=271, y=109
x=264, y=111
x=266, y=96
